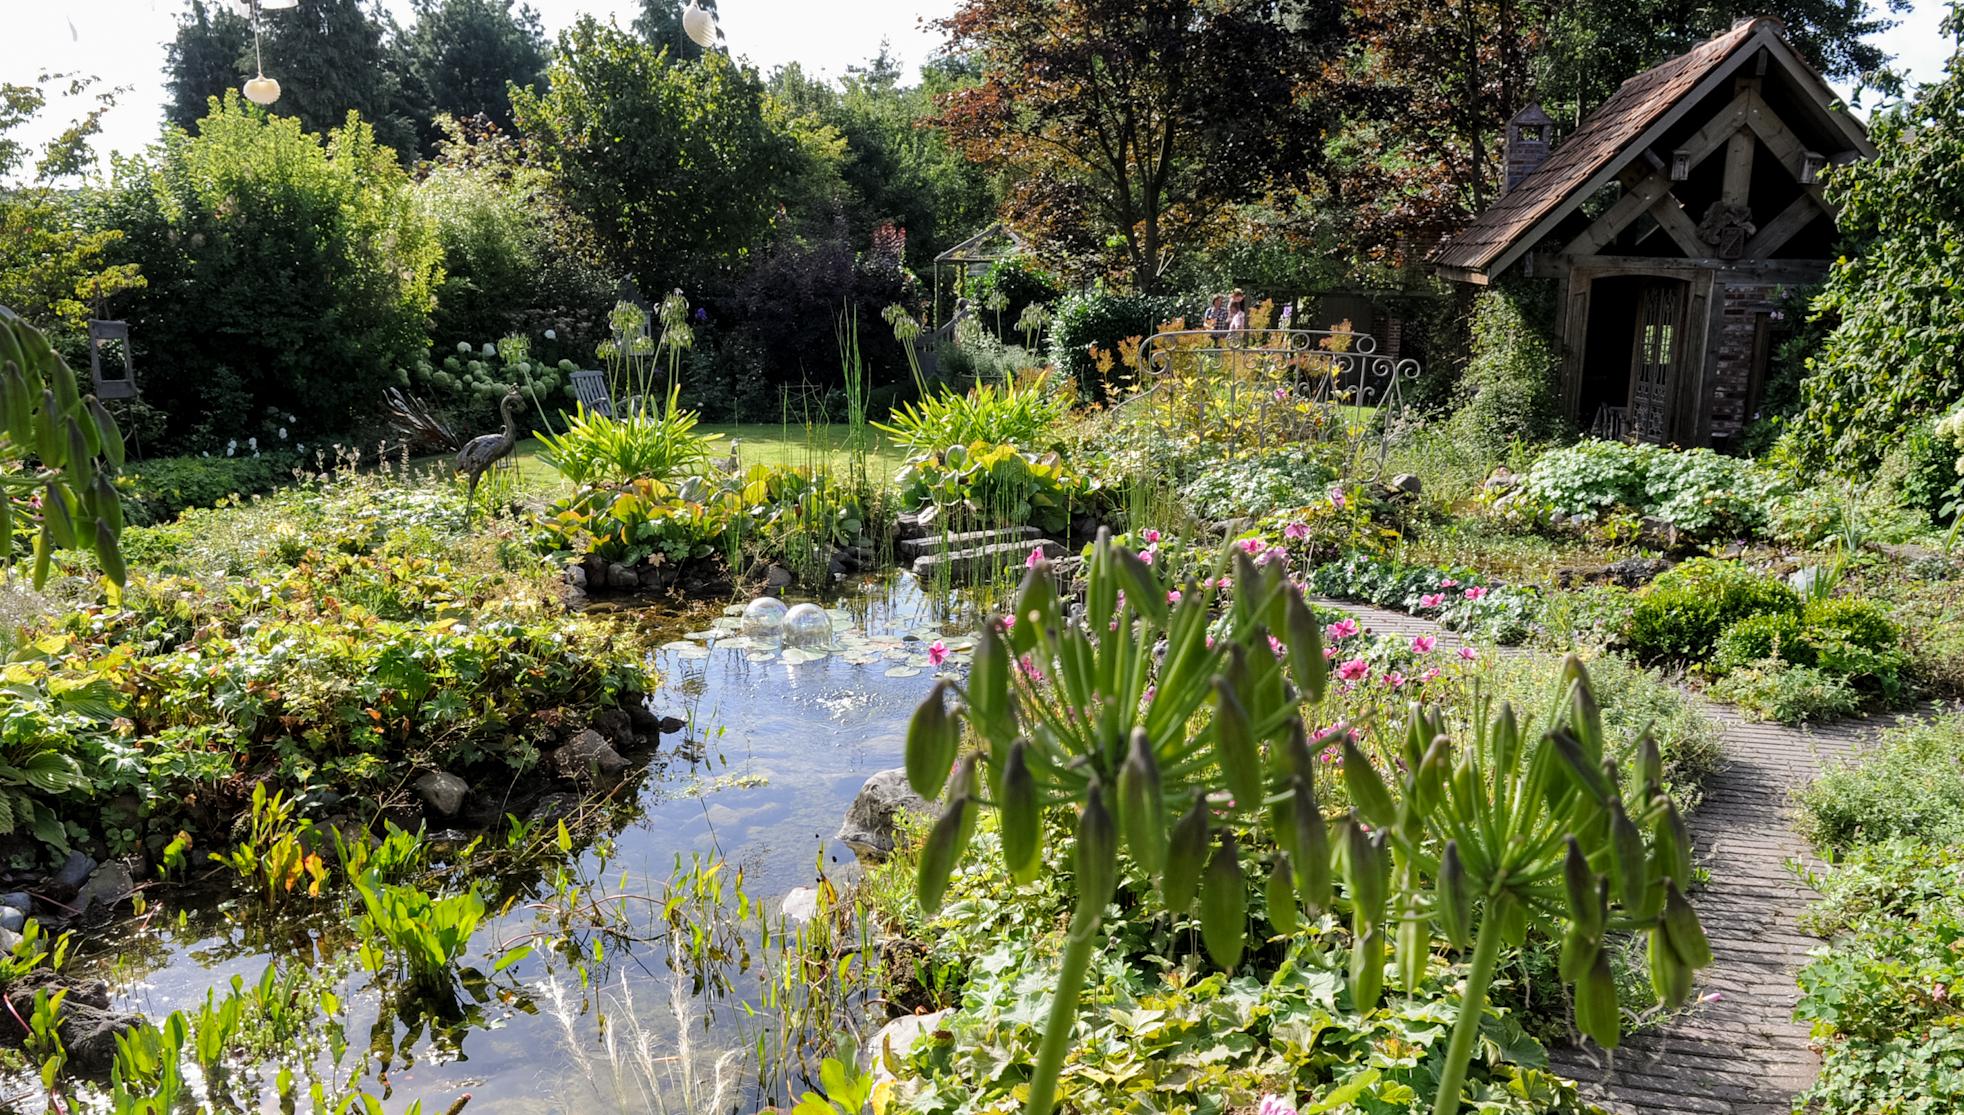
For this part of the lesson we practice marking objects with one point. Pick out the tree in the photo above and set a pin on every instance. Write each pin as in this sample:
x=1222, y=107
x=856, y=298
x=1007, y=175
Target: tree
x=461, y=54
x=1897, y=354
x=55, y=271
x=330, y=57
x=290, y=274
x=1128, y=124
x=674, y=163
x=660, y=22
x=208, y=56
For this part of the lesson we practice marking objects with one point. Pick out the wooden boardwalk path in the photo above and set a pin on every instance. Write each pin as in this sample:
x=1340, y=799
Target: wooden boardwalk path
x=1737, y=1049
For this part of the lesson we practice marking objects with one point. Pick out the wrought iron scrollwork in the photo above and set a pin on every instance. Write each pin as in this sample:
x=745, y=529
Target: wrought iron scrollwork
x=1266, y=386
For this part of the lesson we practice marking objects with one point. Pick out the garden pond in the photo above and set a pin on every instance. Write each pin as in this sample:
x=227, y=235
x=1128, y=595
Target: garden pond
x=608, y=1009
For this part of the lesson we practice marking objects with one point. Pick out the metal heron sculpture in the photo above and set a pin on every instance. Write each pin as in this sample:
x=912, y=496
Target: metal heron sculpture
x=486, y=450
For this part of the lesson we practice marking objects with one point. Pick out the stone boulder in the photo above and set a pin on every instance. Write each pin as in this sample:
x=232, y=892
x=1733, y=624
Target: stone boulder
x=899, y=1038
x=108, y=885
x=442, y=791
x=872, y=818
x=587, y=755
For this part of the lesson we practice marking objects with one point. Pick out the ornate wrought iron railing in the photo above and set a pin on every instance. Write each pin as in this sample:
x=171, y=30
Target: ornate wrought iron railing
x=1255, y=388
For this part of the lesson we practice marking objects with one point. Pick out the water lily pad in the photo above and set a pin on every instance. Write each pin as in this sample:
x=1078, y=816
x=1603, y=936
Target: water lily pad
x=692, y=652
x=903, y=671
x=679, y=645
x=703, y=636
x=794, y=656
x=760, y=656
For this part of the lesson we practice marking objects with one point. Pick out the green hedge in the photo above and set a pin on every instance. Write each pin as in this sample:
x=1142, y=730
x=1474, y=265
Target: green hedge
x=1099, y=317
x=161, y=489
x=1512, y=387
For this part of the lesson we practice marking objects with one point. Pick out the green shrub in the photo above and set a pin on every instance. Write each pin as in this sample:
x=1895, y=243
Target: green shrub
x=1257, y=485
x=1683, y=612
x=1864, y=623
x=598, y=449
x=1587, y=479
x=1773, y=635
x=1774, y=690
x=162, y=488
x=1016, y=414
x=1511, y=391
x=1909, y=784
x=1099, y=318
x=1702, y=493
x=1879, y=997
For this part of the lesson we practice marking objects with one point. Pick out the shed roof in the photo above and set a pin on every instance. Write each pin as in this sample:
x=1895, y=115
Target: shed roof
x=1616, y=133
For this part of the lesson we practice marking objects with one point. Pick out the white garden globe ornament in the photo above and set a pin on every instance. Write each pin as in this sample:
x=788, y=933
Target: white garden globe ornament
x=764, y=617
x=699, y=25
x=262, y=90
x=807, y=625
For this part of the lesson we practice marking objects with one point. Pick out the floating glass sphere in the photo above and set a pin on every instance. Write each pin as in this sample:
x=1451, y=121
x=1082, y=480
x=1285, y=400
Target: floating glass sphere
x=807, y=625
x=763, y=617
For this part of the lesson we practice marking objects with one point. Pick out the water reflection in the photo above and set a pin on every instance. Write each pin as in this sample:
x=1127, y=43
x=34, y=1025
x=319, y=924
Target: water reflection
x=610, y=1012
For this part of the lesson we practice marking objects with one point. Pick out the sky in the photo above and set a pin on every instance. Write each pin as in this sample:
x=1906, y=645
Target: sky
x=123, y=42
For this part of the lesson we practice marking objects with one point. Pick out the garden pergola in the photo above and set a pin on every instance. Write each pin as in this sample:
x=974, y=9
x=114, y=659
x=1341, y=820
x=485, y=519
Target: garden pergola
x=992, y=245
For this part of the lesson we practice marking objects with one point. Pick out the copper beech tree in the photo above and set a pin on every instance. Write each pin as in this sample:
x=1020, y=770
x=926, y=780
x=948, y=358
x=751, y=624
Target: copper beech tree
x=1127, y=126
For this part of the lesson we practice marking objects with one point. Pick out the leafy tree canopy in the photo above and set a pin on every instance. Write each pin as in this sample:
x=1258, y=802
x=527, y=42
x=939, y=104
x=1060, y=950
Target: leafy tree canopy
x=461, y=54
x=660, y=22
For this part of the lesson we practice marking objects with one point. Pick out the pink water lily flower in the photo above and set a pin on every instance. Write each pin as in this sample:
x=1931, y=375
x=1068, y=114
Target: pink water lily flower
x=1475, y=592
x=1468, y=654
x=1432, y=600
x=1423, y=644
x=937, y=653
x=1353, y=669
x=1342, y=629
x=1296, y=532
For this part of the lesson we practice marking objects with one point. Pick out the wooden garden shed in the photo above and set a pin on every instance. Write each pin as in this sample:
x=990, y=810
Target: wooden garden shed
x=1671, y=221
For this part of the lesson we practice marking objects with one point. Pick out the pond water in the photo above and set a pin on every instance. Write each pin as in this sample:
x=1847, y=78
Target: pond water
x=778, y=745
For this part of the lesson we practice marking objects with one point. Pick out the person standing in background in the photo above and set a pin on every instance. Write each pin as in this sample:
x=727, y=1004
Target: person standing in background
x=1215, y=319
x=1237, y=317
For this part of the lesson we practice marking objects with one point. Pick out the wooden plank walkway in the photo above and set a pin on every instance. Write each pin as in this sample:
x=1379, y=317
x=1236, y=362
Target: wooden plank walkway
x=1737, y=1049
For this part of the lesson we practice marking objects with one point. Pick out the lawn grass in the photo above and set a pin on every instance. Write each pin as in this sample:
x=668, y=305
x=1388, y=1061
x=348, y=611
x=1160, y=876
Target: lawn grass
x=760, y=444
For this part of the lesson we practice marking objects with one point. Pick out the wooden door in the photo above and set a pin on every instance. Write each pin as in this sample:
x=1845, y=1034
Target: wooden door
x=1655, y=363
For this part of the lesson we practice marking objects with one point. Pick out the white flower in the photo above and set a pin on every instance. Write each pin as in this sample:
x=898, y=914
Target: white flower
x=282, y=433
x=302, y=447
x=232, y=444
x=552, y=334
x=252, y=443
x=490, y=349
x=463, y=346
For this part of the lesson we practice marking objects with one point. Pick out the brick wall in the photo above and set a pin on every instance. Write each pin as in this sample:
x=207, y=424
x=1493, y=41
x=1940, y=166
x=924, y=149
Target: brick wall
x=1732, y=371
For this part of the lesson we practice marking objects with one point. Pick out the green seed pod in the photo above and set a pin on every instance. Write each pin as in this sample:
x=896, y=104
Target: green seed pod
x=109, y=436
x=57, y=517
x=1036, y=607
x=109, y=555
x=933, y=738
x=1596, y=1013
x=1429, y=778
x=43, y=557
x=1367, y=969
x=1142, y=804
x=1142, y=587
x=1223, y=904
x=1454, y=904
x=1626, y=857
x=1312, y=858
x=1022, y=815
x=19, y=401
x=1579, y=949
x=80, y=465
x=988, y=682
x=1670, y=977
x=1306, y=662
x=1510, y=917
x=61, y=379
x=1673, y=843
x=946, y=840
x=107, y=503
x=1234, y=746
x=6, y=529
x=1650, y=766
x=1096, y=859
x=1506, y=741
x=1579, y=883
x=1186, y=854
x=1681, y=929
x=1282, y=895
x=1364, y=872
x=47, y=435
x=1585, y=712
x=1414, y=952
x=1367, y=790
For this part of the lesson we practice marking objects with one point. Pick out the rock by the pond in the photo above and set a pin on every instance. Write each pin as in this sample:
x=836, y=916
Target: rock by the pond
x=89, y=1025
x=777, y=576
x=1406, y=482
x=442, y=791
x=74, y=872
x=12, y=920
x=1500, y=480
x=615, y=725
x=669, y=725
x=18, y=900
x=108, y=884
x=801, y=905
x=576, y=576
x=621, y=578
x=1635, y=572
x=553, y=807
x=641, y=716
x=900, y=1036
x=8, y=939
x=586, y=754
x=870, y=819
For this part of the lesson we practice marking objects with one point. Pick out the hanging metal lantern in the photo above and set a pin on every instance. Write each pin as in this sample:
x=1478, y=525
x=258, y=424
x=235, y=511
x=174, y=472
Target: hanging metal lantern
x=700, y=25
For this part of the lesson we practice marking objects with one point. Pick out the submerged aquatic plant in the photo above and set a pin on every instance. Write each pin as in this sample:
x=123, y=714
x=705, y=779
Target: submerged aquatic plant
x=1106, y=713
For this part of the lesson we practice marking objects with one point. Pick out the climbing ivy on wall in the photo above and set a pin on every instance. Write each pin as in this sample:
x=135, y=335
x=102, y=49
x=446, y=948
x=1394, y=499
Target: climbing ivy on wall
x=1512, y=387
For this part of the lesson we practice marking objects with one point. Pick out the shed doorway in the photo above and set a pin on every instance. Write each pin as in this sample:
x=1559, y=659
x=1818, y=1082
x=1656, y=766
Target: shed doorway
x=1633, y=356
